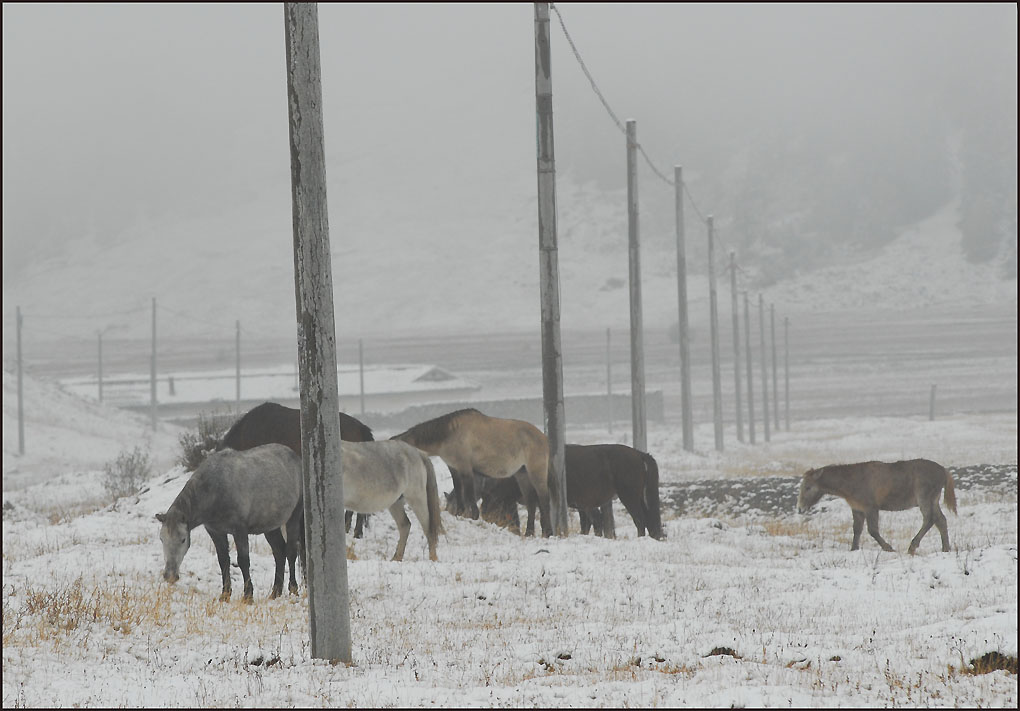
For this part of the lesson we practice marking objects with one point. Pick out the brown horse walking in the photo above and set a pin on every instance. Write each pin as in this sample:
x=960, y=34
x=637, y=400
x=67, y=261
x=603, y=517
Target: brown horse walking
x=473, y=443
x=870, y=487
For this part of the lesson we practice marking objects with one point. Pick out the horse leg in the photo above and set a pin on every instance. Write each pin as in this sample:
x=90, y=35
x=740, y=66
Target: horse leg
x=244, y=563
x=420, y=505
x=926, y=524
x=295, y=527
x=359, y=528
x=403, y=526
x=279, y=546
x=940, y=523
x=858, y=527
x=348, y=514
x=531, y=498
x=606, y=520
x=541, y=487
x=872, y=519
x=585, y=522
x=223, y=556
x=635, y=506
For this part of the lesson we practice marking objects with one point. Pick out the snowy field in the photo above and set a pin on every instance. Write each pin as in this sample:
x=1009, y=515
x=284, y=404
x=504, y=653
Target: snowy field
x=733, y=609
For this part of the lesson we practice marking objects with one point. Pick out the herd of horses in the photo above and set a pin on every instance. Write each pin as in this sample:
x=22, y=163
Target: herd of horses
x=252, y=485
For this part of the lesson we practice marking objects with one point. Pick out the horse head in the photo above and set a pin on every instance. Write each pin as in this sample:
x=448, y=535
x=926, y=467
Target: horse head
x=175, y=535
x=810, y=491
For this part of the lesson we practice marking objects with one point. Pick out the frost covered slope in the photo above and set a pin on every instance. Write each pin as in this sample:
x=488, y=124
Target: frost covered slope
x=66, y=434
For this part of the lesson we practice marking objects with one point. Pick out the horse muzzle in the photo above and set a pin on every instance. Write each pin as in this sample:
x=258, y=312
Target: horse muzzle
x=171, y=577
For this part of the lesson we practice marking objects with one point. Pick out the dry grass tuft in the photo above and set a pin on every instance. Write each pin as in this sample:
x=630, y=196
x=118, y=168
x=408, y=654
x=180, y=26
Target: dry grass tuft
x=992, y=661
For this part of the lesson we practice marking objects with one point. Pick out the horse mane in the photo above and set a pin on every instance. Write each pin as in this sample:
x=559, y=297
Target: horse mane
x=185, y=502
x=229, y=439
x=434, y=430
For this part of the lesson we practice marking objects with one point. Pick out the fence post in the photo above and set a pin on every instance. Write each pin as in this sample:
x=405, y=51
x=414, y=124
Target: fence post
x=552, y=354
x=714, y=315
x=786, y=365
x=237, y=352
x=775, y=370
x=21, y=400
x=764, y=366
x=322, y=473
x=152, y=374
x=931, y=403
x=361, y=374
x=736, y=345
x=609, y=384
x=637, y=347
x=99, y=378
x=750, y=370
x=683, y=334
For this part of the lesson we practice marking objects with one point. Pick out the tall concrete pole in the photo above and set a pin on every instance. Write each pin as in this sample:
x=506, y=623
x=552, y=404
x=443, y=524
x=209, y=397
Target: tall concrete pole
x=683, y=330
x=714, y=315
x=786, y=366
x=736, y=344
x=552, y=354
x=637, y=347
x=775, y=370
x=328, y=598
x=21, y=390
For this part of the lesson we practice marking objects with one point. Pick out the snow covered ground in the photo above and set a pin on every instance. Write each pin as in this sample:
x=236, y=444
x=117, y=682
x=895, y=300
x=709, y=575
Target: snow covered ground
x=502, y=621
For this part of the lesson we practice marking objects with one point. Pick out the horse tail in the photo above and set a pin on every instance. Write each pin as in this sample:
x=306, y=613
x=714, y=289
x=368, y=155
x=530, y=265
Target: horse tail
x=950, y=492
x=432, y=499
x=651, y=495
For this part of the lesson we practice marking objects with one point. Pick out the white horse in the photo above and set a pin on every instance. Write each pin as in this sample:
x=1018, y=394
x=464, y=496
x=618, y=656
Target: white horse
x=384, y=475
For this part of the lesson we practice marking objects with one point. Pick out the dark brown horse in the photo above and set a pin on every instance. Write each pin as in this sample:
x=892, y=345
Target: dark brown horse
x=596, y=474
x=473, y=443
x=273, y=422
x=870, y=487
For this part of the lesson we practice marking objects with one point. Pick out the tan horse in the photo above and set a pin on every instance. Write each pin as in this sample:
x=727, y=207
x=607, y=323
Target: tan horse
x=473, y=443
x=873, y=486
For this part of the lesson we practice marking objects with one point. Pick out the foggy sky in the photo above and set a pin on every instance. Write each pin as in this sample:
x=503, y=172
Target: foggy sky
x=113, y=114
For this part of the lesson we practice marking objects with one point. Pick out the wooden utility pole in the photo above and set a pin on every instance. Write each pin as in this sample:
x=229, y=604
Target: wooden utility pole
x=931, y=403
x=552, y=354
x=21, y=391
x=786, y=366
x=326, y=545
x=736, y=344
x=714, y=315
x=775, y=370
x=237, y=353
x=637, y=343
x=764, y=366
x=683, y=333
x=609, y=384
x=99, y=378
x=750, y=371
x=152, y=373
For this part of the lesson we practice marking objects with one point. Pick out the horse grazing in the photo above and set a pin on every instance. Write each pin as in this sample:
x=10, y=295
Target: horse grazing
x=383, y=475
x=273, y=422
x=870, y=487
x=240, y=493
x=473, y=443
x=596, y=474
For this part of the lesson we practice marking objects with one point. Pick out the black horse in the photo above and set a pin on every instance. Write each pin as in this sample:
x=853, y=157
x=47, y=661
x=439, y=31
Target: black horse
x=596, y=474
x=272, y=422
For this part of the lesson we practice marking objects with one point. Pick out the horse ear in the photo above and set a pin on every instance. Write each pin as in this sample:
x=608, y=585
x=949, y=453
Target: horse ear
x=161, y=517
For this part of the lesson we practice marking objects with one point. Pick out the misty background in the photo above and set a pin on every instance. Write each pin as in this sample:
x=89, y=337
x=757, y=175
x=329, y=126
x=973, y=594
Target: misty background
x=145, y=152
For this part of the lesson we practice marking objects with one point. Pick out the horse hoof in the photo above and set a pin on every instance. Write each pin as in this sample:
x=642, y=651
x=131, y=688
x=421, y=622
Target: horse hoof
x=225, y=596
x=293, y=589
x=275, y=594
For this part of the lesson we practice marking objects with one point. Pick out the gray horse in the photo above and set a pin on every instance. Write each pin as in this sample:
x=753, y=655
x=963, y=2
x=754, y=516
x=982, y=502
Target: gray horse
x=240, y=493
x=383, y=475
